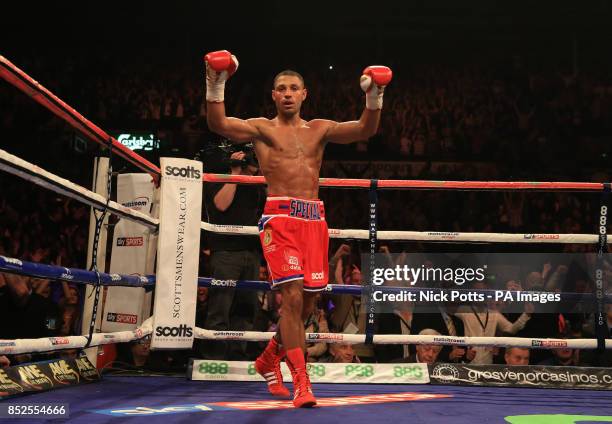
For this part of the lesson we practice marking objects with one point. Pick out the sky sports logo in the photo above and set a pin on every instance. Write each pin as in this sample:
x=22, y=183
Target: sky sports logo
x=549, y=343
x=130, y=241
x=121, y=318
x=187, y=172
x=541, y=236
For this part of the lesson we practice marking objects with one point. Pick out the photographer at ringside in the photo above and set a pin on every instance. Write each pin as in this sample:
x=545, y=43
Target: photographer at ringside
x=233, y=257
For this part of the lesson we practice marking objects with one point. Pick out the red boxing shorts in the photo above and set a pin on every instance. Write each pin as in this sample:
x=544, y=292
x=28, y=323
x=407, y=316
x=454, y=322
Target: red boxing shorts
x=295, y=241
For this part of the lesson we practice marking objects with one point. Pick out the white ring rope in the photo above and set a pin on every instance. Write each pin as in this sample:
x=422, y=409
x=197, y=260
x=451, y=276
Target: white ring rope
x=45, y=344
x=427, y=235
x=30, y=172
x=525, y=342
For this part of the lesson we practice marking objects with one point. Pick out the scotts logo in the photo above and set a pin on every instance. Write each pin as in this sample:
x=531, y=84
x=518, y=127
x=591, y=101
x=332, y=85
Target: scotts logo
x=223, y=283
x=188, y=172
x=317, y=275
x=181, y=331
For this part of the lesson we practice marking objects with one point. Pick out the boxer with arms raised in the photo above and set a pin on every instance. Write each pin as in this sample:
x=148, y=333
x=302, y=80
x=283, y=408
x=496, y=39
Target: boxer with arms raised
x=292, y=229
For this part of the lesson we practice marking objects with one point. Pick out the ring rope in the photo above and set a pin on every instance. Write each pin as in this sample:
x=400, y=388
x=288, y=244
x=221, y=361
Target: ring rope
x=70, y=342
x=439, y=236
x=525, y=342
x=45, y=344
x=422, y=184
x=76, y=275
x=32, y=88
x=33, y=173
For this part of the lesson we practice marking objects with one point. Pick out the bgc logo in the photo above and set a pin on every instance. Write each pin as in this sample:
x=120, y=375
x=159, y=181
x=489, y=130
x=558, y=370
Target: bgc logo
x=189, y=172
x=181, y=331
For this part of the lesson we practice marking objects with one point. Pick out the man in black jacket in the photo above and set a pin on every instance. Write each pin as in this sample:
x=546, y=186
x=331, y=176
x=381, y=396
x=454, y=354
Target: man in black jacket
x=232, y=258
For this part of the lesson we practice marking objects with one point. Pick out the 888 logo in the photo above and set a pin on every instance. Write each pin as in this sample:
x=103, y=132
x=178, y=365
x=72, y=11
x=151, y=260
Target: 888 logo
x=213, y=368
x=316, y=370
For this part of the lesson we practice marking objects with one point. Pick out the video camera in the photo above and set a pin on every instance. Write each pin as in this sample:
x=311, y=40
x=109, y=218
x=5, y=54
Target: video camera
x=217, y=156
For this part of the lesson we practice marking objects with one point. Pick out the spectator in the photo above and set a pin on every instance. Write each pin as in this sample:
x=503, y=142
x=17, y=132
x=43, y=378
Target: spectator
x=348, y=316
x=426, y=353
x=201, y=306
x=445, y=323
x=24, y=312
x=341, y=353
x=233, y=258
x=482, y=321
x=4, y=362
x=566, y=356
x=316, y=323
x=140, y=350
x=516, y=356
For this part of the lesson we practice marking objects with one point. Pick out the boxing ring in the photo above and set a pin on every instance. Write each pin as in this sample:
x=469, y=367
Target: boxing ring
x=154, y=398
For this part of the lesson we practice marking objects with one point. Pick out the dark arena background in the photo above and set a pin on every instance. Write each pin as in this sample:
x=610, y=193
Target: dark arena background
x=493, y=152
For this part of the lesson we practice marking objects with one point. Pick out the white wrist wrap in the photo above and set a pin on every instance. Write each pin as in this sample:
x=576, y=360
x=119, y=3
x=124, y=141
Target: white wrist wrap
x=215, y=87
x=374, y=99
x=374, y=94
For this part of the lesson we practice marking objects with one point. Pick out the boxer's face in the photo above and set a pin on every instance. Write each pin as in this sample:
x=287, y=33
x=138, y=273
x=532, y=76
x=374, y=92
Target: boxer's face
x=288, y=95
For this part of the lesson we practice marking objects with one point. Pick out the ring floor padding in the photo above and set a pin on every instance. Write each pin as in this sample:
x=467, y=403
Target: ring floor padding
x=100, y=402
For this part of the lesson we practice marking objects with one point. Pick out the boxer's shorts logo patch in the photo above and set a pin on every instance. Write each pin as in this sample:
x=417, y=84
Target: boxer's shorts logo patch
x=267, y=237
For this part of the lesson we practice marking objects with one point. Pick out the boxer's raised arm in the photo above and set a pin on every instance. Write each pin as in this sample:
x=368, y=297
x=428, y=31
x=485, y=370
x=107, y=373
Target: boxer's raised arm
x=220, y=66
x=353, y=131
x=373, y=83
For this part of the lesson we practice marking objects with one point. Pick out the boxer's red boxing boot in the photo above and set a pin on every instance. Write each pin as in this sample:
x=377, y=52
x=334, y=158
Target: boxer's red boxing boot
x=302, y=389
x=268, y=366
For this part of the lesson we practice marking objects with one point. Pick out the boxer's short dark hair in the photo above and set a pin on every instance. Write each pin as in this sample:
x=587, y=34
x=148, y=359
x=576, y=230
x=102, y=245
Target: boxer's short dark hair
x=289, y=73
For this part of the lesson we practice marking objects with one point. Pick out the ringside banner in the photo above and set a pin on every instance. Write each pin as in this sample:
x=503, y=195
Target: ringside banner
x=41, y=376
x=319, y=372
x=124, y=305
x=522, y=376
x=178, y=249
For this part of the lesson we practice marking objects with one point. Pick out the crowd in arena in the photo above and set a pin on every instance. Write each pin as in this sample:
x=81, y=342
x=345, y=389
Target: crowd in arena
x=508, y=112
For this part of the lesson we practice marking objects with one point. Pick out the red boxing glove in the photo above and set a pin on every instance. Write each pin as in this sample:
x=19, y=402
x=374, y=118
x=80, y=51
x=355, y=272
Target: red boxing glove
x=373, y=82
x=220, y=65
